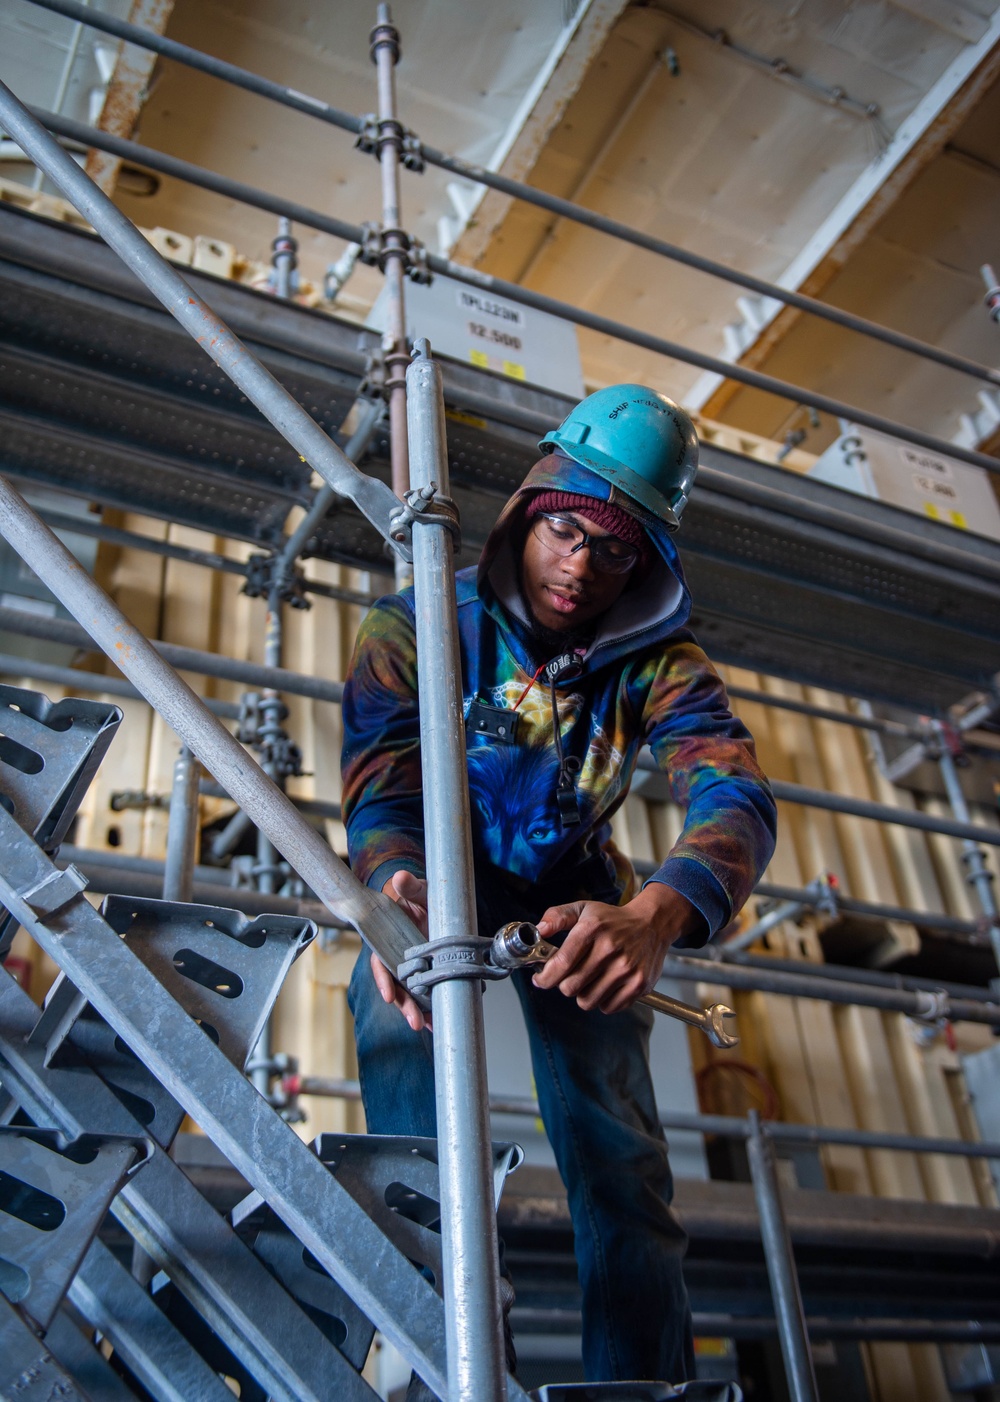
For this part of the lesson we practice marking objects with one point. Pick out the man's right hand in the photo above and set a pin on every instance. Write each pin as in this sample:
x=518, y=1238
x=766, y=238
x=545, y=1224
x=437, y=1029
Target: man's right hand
x=410, y=892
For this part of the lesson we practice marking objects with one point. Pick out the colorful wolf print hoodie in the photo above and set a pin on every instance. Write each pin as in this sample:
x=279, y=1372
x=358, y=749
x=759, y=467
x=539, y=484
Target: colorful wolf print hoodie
x=643, y=681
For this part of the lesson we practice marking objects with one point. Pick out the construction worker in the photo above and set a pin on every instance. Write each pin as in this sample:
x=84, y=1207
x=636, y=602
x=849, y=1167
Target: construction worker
x=575, y=654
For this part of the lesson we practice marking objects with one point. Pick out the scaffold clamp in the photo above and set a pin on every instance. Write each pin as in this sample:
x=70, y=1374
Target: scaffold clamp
x=379, y=244
x=374, y=134
x=429, y=507
x=461, y=956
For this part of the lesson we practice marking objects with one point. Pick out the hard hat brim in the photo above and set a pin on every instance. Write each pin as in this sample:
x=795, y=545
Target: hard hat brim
x=618, y=475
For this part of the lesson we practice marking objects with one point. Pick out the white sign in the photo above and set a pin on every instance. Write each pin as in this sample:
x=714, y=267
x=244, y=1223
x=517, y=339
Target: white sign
x=476, y=326
x=875, y=465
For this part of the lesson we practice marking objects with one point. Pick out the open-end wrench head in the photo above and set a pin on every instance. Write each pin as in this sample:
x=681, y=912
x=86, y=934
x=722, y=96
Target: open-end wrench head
x=715, y=1028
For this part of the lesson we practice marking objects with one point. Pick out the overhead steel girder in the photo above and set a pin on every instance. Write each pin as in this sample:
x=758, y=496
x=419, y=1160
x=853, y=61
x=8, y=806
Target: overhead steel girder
x=790, y=576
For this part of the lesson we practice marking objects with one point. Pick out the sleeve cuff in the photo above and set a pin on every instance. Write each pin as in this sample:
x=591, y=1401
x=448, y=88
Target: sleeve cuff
x=707, y=894
x=384, y=870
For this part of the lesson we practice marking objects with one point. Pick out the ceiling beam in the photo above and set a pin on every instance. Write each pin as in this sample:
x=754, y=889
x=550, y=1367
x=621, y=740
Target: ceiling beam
x=919, y=139
x=541, y=112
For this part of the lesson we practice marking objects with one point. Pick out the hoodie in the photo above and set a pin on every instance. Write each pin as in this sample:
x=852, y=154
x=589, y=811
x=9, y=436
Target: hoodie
x=642, y=680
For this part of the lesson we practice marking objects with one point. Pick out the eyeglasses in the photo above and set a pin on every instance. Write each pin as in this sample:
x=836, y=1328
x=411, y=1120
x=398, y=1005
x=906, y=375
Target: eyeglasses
x=565, y=537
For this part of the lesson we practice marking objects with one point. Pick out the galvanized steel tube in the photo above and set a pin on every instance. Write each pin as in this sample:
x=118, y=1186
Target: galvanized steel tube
x=380, y=923
x=284, y=259
x=729, y=1126
x=395, y=257
x=371, y=496
x=806, y=708
x=918, y=1004
x=185, y=659
x=77, y=680
x=473, y=1322
x=863, y=808
x=720, y=957
x=270, y=734
x=777, y=1242
x=208, y=559
x=978, y=874
x=516, y=189
x=355, y=448
x=182, y=829
x=472, y=277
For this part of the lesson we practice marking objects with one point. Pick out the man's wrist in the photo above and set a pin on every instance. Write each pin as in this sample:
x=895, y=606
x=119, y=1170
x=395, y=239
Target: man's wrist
x=669, y=913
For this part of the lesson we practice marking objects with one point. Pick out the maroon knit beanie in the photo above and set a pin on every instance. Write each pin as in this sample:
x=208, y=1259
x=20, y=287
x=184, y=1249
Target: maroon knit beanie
x=602, y=513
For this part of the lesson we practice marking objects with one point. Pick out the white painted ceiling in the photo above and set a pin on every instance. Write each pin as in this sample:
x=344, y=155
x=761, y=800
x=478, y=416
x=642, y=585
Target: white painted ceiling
x=720, y=157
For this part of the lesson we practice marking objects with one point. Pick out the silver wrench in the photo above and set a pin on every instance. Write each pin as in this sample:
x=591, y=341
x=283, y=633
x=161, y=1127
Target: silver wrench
x=519, y=943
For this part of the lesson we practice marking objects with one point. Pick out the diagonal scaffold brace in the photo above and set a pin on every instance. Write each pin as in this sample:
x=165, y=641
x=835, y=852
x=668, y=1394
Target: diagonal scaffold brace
x=377, y=920
x=473, y=1321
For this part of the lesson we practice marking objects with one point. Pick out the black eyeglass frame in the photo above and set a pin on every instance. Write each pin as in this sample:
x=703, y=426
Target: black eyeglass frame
x=597, y=545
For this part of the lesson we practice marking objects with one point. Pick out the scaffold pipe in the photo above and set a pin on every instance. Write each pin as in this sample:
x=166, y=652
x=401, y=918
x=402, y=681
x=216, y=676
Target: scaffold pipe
x=926, y=1006
x=295, y=425
x=379, y=921
x=518, y=190
x=472, y=277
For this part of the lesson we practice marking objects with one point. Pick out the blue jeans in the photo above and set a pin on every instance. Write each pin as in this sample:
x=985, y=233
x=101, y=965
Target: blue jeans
x=596, y=1100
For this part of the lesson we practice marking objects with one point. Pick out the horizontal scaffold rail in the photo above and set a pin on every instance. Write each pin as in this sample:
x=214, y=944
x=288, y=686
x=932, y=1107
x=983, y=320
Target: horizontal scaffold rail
x=187, y=554
x=354, y=233
x=516, y=189
x=213, y=664
x=185, y=659
x=730, y=1126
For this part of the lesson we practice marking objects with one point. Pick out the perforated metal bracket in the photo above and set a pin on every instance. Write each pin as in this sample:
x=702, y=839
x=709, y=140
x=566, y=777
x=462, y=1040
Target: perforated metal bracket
x=224, y=969
x=73, y=1034
x=395, y=1180
x=63, y=1190
x=49, y=752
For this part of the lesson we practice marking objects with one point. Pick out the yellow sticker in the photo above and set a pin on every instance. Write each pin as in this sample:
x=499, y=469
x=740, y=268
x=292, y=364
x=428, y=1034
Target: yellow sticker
x=480, y=358
x=515, y=371
x=931, y=509
x=458, y=417
x=957, y=519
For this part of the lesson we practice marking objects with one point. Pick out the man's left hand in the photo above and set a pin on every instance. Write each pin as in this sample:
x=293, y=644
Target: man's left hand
x=613, y=954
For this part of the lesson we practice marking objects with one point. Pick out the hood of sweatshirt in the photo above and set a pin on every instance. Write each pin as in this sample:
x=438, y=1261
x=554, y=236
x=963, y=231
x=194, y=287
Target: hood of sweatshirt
x=648, y=611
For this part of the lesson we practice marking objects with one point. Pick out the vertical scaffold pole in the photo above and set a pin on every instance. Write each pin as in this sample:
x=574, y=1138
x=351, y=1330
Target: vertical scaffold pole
x=977, y=871
x=182, y=829
x=780, y=1261
x=284, y=258
x=473, y=1325
x=271, y=731
x=395, y=255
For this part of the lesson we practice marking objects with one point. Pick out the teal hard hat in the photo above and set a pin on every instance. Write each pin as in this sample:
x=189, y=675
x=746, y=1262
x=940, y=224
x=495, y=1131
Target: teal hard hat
x=636, y=439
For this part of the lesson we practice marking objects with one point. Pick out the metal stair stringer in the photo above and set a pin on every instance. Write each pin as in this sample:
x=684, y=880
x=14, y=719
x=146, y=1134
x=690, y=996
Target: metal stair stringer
x=164, y=1212
x=245, y=1128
